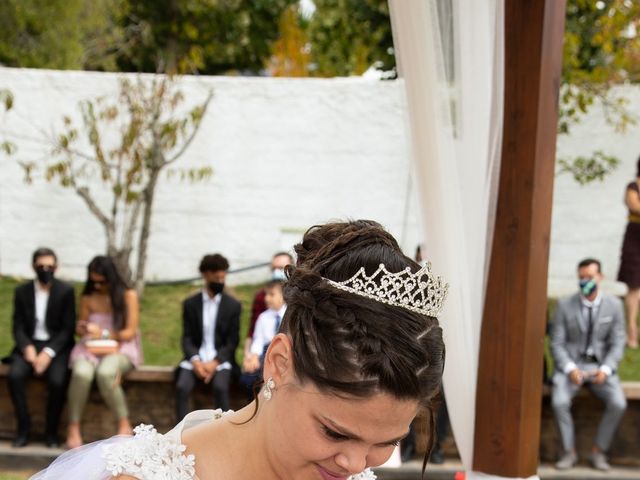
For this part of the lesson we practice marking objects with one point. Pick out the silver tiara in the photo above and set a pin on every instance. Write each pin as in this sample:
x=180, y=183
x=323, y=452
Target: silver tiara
x=419, y=292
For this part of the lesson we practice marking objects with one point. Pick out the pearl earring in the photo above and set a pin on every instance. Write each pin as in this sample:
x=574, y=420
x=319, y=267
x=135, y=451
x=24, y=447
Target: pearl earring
x=269, y=386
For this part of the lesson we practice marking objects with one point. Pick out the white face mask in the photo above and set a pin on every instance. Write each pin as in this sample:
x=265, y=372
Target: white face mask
x=278, y=274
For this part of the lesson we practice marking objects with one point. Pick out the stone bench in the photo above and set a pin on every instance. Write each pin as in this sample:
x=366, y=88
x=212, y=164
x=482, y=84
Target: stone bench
x=151, y=398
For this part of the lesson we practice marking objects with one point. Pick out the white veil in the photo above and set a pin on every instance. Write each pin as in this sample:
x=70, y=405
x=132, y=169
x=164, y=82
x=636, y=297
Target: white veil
x=450, y=57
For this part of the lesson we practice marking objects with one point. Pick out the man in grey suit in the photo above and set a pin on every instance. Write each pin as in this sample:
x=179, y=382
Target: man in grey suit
x=587, y=342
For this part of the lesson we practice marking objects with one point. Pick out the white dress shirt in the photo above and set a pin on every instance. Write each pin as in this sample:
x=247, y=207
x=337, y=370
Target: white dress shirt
x=595, y=308
x=42, y=299
x=265, y=329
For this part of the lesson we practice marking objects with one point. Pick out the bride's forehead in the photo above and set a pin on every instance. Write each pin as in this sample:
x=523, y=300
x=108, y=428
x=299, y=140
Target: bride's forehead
x=379, y=407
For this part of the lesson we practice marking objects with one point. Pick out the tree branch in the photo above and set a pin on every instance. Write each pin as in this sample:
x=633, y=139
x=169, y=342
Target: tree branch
x=193, y=134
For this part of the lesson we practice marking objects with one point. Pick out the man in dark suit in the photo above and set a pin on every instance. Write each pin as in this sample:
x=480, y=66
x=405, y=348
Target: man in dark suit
x=211, y=321
x=44, y=317
x=587, y=342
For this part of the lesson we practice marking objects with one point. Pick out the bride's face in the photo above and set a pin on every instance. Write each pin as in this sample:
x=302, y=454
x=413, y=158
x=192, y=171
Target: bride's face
x=321, y=436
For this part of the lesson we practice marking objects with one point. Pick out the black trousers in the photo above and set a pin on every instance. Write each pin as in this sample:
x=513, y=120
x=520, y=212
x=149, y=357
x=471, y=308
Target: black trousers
x=186, y=381
x=57, y=376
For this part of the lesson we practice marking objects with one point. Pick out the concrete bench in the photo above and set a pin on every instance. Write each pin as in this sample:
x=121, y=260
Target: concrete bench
x=151, y=398
x=150, y=395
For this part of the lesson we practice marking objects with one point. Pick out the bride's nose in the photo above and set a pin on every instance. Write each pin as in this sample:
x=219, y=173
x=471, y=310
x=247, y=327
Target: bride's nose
x=353, y=460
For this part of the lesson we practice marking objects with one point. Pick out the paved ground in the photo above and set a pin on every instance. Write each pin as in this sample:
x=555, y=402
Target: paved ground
x=37, y=456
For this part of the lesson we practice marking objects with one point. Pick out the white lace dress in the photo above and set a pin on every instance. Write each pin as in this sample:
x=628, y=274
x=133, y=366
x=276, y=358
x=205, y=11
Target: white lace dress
x=148, y=455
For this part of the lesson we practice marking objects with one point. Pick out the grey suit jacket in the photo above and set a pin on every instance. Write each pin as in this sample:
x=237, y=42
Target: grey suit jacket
x=569, y=332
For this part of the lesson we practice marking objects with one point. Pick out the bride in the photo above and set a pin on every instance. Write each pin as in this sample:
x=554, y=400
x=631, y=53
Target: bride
x=358, y=353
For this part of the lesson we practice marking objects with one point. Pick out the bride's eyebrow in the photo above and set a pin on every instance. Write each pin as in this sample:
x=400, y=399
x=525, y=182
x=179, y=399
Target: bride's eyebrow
x=343, y=431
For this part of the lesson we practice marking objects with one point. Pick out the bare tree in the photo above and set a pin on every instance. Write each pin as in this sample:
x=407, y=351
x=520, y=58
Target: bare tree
x=153, y=132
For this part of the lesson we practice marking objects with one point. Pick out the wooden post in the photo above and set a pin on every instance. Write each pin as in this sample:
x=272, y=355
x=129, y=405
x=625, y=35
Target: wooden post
x=508, y=399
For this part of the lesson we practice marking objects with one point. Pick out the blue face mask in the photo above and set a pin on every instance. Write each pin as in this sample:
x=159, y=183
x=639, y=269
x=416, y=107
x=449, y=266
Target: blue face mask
x=588, y=286
x=278, y=274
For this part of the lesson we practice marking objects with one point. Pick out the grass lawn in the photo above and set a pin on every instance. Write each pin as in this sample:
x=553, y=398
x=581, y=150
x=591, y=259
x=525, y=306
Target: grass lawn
x=160, y=319
x=21, y=475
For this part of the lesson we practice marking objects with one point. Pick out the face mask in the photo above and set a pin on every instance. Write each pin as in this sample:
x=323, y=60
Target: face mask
x=587, y=286
x=44, y=275
x=215, y=287
x=278, y=274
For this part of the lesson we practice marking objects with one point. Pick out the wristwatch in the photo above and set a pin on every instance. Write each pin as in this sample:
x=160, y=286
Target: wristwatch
x=105, y=334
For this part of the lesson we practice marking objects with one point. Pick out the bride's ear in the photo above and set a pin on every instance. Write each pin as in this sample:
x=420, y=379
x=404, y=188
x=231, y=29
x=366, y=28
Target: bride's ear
x=278, y=361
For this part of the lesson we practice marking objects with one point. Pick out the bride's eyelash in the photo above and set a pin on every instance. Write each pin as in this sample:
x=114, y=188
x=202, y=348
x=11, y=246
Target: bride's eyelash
x=332, y=434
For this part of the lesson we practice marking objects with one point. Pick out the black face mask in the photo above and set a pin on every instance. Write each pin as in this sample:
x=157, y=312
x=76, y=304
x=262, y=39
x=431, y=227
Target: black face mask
x=45, y=276
x=215, y=287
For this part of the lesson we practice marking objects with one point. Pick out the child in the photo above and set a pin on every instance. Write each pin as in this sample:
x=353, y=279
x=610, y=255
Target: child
x=267, y=326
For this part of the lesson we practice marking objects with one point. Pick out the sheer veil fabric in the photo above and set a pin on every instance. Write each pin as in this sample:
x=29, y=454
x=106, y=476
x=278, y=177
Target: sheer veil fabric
x=450, y=57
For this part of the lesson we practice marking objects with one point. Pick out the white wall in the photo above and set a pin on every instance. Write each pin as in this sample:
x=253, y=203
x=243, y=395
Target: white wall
x=590, y=220
x=286, y=153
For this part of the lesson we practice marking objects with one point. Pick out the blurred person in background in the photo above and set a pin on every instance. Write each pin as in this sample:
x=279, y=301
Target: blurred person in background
x=44, y=313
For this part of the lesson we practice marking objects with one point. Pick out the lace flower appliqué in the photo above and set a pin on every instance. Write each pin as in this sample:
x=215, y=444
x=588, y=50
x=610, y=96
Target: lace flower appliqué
x=366, y=475
x=149, y=456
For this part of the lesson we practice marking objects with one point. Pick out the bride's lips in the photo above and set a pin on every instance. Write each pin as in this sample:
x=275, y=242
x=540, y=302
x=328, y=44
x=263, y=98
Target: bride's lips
x=327, y=475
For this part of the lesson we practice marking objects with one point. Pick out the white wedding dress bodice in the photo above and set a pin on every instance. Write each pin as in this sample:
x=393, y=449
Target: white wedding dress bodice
x=148, y=455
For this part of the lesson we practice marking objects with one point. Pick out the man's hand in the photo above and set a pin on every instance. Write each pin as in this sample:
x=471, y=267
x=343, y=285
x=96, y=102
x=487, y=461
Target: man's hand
x=42, y=362
x=576, y=376
x=198, y=369
x=29, y=354
x=210, y=368
x=599, y=377
x=251, y=363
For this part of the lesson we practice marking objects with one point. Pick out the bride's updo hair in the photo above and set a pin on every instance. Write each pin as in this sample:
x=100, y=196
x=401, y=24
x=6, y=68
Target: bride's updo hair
x=348, y=344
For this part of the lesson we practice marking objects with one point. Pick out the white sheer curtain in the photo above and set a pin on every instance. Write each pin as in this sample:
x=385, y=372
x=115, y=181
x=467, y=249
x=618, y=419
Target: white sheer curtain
x=450, y=56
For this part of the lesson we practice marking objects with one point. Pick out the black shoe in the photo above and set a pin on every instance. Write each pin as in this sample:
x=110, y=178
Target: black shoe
x=21, y=440
x=437, y=457
x=52, y=441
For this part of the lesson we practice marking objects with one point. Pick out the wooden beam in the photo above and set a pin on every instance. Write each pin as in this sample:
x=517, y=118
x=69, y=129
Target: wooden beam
x=508, y=399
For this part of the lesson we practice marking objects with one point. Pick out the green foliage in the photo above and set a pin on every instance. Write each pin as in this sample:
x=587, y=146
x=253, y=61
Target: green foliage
x=600, y=50
x=207, y=36
x=60, y=34
x=349, y=36
x=588, y=169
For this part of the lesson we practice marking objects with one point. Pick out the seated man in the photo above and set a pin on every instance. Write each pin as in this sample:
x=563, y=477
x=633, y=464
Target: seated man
x=266, y=327
x=587, y=342
x=211, y=320
x=44, y=317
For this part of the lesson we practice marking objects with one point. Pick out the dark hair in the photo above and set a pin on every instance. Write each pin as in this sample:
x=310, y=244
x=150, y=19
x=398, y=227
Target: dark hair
x=213, y=263
x=351, y=345
x=275, y=284
x=105, y=266
x=283, y=254
x=638, y=168
x=590, y=261
x=43, y=252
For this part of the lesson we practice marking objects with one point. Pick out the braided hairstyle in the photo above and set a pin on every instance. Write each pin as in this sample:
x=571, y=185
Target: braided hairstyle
x=348, y=344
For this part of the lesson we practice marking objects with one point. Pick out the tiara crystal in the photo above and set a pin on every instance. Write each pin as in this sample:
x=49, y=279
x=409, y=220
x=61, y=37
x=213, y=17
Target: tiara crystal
x=419, y=292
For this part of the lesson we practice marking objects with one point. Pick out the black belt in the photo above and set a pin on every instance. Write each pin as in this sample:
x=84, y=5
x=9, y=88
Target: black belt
x=589, y=358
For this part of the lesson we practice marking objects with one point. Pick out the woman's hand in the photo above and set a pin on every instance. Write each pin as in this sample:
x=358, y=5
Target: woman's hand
x=93, y=330
x=81, y=328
